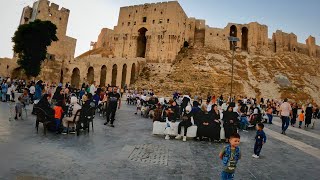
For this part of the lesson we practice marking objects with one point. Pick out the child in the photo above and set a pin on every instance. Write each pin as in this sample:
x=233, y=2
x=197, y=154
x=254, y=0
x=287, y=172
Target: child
x=58, y=115
x=260, y=140
x=138, y=106
x=230, y=156
x=18, y=108
x=301, y=118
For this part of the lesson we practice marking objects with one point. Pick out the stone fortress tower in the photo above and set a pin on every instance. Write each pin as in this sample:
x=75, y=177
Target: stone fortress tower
x=64, y=49
x=158, y=31
x=148, y=33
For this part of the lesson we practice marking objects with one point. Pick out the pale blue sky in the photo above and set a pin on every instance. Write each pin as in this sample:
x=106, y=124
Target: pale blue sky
x=87, y=19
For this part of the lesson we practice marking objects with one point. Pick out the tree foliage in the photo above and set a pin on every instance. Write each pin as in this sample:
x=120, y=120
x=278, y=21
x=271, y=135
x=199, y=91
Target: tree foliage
x=31, y=42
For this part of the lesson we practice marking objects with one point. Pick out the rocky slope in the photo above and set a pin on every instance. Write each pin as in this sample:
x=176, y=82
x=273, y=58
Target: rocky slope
x=203, y=70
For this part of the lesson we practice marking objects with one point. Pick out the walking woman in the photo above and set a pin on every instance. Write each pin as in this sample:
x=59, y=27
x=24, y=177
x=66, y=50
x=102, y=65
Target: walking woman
x=308, y=115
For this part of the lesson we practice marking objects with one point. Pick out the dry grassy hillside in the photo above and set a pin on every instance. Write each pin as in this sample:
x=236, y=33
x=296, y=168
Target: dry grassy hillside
x=203, y=70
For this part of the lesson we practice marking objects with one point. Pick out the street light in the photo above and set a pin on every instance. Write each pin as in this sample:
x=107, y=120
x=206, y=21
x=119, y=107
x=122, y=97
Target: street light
x=233, y=41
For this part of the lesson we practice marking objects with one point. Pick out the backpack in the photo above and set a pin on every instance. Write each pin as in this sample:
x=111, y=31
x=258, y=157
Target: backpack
x=227, y=155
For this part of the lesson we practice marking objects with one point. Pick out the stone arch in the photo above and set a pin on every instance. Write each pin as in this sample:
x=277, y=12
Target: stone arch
x=142, y=43
x=124, y=75
x=103, y=75
x=244, y=39
x=61, y=75
x=90, y=75
x=233, y=33
x=17, y=73
x=133, y=73
x=114, y=75
x=75, y=78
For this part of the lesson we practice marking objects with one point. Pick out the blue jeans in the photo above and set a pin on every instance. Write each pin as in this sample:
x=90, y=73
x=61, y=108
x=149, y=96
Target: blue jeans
x=285, y=122
x=257, y=148
x=270, y=118
x=244, y=122
x=227, y=176
x=58, y=122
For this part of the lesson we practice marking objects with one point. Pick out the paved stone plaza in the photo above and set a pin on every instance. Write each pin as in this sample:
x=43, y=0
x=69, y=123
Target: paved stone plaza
x=129, y=151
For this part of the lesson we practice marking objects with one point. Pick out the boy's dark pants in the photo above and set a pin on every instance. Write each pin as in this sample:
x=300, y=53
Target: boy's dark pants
x=257, y=148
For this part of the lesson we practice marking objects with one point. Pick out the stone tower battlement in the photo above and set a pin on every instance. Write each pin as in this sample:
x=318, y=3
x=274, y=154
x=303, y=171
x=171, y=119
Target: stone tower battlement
x=157, y=32
x=46, y=11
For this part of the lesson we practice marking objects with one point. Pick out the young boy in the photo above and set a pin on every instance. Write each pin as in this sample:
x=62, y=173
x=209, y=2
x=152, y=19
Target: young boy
x=301, y=118
x=230, y=156
x=260, y=140
x=58, y=115
x=18, y=108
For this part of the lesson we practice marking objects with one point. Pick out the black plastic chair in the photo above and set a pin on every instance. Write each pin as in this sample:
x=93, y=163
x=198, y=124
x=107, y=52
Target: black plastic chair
x=42, y=117
x=77, y=115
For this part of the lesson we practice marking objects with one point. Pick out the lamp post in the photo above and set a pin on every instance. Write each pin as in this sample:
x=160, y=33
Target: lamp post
x=233, y=41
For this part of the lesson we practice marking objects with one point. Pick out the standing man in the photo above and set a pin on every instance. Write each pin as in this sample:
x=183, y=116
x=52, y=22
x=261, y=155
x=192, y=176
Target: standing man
x=113, y=98
x=32, y=90
x=93, y=88
x=285, y=114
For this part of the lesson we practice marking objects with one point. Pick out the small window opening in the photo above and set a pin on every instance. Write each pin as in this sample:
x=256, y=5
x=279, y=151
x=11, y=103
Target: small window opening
x=144, y=19
x=160, y=21
x=168, y=20
x=211, y=34
x=128, y=23
x=155, y=9
x=134, y=23
x=217, y=34
x=153, y=21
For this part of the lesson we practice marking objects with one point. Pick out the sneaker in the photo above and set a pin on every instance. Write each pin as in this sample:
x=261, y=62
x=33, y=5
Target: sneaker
x=255, y=156
x=300, y=127
x=135, y=113
x=184, y=138
x=111, y=125
x=105, y=123
x=167, y=137
x=282, y=132
x=64, y=132
x=72, y=131
x=245, y=130
x=178, y=136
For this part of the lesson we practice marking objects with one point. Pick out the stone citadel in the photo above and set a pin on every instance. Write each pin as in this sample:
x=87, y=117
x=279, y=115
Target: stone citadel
x=145, y=34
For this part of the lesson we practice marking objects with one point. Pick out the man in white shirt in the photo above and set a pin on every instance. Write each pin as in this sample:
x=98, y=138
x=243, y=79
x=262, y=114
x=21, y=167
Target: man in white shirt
x=285, y=113
x=32, y=90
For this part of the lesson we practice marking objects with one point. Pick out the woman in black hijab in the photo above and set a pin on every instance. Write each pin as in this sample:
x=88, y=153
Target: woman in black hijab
x=215, y=116
x=230, y=122
x=45, y=105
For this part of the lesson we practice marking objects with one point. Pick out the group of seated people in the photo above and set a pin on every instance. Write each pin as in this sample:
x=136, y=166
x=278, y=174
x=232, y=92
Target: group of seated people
x=62, y=108
x=208, y=118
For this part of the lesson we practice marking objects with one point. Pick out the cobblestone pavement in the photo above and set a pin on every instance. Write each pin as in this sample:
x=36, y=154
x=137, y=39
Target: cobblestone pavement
x=130, y=151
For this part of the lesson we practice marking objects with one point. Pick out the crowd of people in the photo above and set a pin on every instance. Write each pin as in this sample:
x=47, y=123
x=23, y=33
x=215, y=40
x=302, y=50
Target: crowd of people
x=61, y=103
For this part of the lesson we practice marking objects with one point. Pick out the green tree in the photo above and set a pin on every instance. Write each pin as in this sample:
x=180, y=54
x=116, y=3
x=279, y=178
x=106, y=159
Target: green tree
x=31, y=42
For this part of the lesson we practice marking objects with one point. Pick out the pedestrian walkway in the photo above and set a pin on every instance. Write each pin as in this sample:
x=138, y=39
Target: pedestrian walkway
x=129, y=151
x=297, y=144
x=317, y=136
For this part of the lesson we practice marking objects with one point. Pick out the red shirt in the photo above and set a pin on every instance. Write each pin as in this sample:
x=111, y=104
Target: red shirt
x=57, y=112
